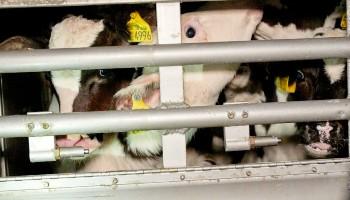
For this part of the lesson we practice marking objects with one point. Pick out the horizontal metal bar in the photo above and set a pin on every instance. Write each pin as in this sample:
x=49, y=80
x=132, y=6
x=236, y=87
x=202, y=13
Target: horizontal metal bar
x=173, y=54
x=211, y=116
x=322, y=175
x=59, y=3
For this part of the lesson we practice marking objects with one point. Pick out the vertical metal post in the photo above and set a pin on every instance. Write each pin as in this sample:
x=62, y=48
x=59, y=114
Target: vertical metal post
x=3, y=162
x=171, y=81
x=348, y=60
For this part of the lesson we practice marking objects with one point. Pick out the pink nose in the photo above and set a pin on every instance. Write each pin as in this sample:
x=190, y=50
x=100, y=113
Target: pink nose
x=324, y=131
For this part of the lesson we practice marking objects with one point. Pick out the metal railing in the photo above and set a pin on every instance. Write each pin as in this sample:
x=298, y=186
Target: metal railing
x=173, y=54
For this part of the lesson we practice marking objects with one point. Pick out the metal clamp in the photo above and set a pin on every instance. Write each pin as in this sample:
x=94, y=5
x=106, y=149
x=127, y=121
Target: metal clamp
x=43, y=149
x=237, y=138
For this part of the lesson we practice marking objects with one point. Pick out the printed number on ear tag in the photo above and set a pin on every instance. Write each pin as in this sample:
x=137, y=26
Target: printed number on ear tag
x=139, y=29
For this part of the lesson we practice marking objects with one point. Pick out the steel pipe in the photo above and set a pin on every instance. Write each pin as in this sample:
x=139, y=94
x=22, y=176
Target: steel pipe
x=60, y=3
x=173, y=54
x=348, y=60
x=211, y=116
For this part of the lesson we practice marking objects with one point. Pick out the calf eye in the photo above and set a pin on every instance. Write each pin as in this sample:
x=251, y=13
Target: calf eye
x=190, y=33
x=103, y=73
x=319, y=35
x=300, y=75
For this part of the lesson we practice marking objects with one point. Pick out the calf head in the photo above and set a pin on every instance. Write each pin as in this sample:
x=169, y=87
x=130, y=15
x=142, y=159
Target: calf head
x=89, y=90
x=316, y=82
x=323, y=139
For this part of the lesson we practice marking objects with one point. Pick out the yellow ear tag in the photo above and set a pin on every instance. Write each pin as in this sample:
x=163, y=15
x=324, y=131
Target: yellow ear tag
x=343, y=23
x=139, y=29
x=282, y=83
x=138, y=104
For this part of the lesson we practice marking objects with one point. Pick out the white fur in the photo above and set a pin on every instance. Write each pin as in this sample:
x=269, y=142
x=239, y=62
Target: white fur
x=330, y=20
x=108, y=162
x=75, y=32
x=267, y=32
x=281, y=96
x=202, y=86
x=334, y=68
x=72, y=32
x=69, y=79
x=149, y=141
x=280, y=153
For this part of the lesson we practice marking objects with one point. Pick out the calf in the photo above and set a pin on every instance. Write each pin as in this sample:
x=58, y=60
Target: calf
x=202, y=83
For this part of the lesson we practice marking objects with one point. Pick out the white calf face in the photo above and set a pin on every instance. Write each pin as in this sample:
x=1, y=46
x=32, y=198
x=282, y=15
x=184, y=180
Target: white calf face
x=219, y=25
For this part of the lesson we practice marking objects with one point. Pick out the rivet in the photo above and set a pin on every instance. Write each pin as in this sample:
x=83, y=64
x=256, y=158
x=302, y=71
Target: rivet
x=45, y=125
x=231, y=115
x=30, y=126
x=115, y=181
x=245, y=114
x=342, y=114
x=182, y=177
x=314, y=169
x=248, y=173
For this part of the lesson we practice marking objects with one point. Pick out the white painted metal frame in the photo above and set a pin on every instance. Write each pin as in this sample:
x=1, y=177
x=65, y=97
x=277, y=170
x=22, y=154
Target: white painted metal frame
x=56, y=3
x=318, y=179
x=3, y=161
x=171, y=81
x=348, y=60
x=321, y=180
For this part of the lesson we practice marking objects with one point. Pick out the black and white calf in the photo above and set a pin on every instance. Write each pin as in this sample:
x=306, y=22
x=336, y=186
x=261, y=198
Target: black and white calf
x=321, y=79
x=202, y=83
x=93, y=90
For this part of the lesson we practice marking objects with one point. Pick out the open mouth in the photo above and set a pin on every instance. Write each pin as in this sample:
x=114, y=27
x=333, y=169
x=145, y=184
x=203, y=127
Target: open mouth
x=78, y=141
x=318, y=150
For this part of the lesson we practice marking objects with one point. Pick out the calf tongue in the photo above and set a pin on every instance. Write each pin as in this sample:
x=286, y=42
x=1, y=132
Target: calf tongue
x=77, y=141
x=320, y=146
x=318, y=150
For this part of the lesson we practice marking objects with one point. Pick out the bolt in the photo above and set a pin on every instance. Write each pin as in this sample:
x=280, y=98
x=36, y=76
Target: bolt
x=182, y=177
x=45, y=125
x=342, y=114
x=248, y=173
x=115, y=181
x=314, y=169
x=231, y=115
x=86, y=151
x=30, y=126
x=46, y=184
x=245, y=114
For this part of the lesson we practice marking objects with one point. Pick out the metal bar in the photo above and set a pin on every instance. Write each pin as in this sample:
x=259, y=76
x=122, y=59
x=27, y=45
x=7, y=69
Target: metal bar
x=211, y=116
x=348, y=60
x=3, y=159
x=173, y=54
x=59, y=3
x=171, y=81
x=197, y=183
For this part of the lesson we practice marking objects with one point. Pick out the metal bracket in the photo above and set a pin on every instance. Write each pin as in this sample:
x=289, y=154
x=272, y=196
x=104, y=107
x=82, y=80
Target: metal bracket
x=43, y=149
x=237, y=138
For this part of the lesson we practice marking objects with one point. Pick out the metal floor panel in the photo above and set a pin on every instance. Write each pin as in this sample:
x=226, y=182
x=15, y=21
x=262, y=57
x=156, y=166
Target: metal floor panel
x=320, y=179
